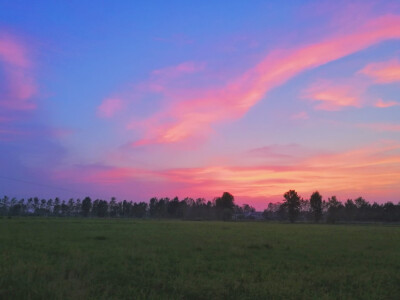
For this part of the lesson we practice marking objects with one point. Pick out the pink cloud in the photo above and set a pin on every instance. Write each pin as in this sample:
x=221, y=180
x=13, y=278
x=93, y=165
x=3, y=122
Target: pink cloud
x=109, y=107
x=384, y=104
x=12, y=52
x=370, y=168
x=194, y=112
x=383, y=72
x=331, y=96
x=19, y=87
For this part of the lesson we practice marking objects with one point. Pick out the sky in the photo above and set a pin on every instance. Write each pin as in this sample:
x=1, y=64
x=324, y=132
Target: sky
x=136, y=99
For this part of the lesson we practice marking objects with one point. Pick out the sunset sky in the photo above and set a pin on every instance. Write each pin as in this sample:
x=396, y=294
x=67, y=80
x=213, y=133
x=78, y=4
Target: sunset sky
x=136, y=99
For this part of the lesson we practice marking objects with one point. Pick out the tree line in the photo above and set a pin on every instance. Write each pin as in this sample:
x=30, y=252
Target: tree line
x=292, y=208
x=219, y=208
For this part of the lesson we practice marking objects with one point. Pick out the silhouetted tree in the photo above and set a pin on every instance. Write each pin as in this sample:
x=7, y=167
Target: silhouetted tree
x=77, y=207
x=363, y=208
x=350, y=210
x=64, y=209
x=113, y=207
x=71, y=207
x=153, y=206
x=42, y=209
x=220, y=208
x=36, y=206
x=316, y=206
x=139, y=209
x=173, y=208
x=86, y=206
x=100, y=208
x=126, y=209
x=225, y=205
x=334, y=207
x=391, y=212
x=226, y=201
x=57, y=206
x=292, y=204
x=4, y=205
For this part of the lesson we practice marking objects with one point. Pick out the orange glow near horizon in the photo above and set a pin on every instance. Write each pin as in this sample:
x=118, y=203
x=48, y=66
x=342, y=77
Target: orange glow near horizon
x=347, y=173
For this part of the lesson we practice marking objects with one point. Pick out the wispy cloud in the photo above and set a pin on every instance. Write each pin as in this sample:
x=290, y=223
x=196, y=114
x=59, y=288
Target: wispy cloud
x=193, y=114
x=109, y=107
x=332, y=96
x=384, y=104
x=383, y=72
x=19, y=87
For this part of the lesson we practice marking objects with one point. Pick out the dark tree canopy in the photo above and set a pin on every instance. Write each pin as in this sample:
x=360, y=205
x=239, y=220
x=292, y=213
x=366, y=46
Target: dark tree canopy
x=316, y=206
x=225, y=205
x=86, y=206
x=293, y=208
x=226, y=201
x=334, y=207
x=292, y=203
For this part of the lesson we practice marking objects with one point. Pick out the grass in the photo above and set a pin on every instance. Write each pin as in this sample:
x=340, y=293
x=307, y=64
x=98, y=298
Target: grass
x=130, y=259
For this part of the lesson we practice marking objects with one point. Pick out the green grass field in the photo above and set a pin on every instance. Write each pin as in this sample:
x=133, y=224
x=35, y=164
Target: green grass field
x=129, y=259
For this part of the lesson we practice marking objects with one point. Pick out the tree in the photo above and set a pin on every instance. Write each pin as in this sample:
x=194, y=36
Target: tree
x=86, y=206
x=226, y=201
x=64, y=209
x=42, y=206
x=153, y=206
x=316, y=206
x=139, y=209
x=57, y=206
x=49, y=207
x=77, y=207
x=126, y=208
x=113, y=205
x=4, y=205
x=292, y=203
x=334, y=207
x=248, y=209
x=71, y=207
x=225, y=205
x=102, y=208
x=350, y=210
x=389, y=212
x=36, y=205
x=363, y=208
x=173, y=207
